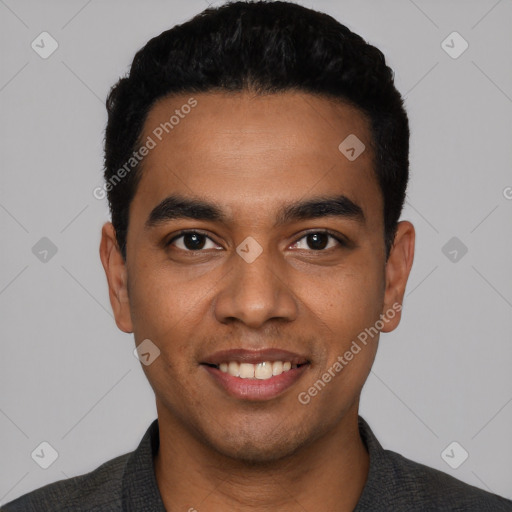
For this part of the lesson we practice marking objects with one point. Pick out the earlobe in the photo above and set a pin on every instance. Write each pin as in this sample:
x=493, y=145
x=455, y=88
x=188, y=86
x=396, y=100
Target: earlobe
x=398, y=268
x=116, y=273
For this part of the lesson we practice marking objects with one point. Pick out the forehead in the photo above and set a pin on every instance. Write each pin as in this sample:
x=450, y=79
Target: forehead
x=249, y=151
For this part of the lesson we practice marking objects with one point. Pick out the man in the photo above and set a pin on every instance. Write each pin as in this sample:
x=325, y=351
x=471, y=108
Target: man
x=256, y=163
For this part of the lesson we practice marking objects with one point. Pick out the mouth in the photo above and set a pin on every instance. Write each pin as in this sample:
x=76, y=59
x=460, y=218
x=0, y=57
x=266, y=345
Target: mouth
x=263, y=370
x=255, y=375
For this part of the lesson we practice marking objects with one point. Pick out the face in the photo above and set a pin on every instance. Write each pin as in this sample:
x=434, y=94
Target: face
x=264, y=271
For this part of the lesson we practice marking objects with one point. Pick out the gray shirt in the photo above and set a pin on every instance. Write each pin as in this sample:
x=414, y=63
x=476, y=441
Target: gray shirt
x=127, y=483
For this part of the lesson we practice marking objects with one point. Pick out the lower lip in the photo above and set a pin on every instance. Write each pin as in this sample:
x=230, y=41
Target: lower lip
x=256, y=389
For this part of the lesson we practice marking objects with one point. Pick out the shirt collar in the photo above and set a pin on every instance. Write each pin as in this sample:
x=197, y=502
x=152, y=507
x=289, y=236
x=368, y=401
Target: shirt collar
x=141, y=493
x=377, y=487
x=140, y=490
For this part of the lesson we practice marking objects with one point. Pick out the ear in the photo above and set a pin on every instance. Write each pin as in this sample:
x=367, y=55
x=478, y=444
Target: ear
x=398, y=267
x=115, y=270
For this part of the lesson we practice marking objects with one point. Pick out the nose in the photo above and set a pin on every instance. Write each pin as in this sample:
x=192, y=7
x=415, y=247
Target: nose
x=255, y=292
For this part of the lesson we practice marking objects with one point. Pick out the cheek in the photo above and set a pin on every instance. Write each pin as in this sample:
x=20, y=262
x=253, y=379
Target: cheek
x=158, y=305
x=350, y=308
x=351, y=300
x=168, y=311
x=173, y=288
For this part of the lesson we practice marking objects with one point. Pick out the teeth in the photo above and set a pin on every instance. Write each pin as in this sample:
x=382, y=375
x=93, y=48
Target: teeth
x=246, y=371
x=277, y=368
x=234, y=369
x=263, y=371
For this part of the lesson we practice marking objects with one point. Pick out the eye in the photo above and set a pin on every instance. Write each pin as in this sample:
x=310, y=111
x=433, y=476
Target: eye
x=318, y=240
x=192, y=241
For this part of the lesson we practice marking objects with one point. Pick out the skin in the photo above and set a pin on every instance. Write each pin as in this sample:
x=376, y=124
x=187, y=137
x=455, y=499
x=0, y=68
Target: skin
x=252, y=154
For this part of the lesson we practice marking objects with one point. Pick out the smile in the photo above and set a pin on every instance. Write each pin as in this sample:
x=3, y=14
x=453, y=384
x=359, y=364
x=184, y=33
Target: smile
x=252, y=388
x=263, y=371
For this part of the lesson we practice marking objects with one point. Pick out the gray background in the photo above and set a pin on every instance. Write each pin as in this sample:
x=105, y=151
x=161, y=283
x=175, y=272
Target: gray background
x=68, y=375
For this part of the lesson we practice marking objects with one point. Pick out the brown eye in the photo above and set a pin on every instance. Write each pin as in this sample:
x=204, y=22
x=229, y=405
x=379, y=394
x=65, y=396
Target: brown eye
x=191, y=241
x=319, y=241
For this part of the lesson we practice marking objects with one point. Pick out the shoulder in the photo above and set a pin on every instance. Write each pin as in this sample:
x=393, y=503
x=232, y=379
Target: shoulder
x=100, y=489
x=398, y=484
x=427, y=488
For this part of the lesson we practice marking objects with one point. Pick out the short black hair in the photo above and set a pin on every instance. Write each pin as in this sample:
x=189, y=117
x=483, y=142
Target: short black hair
x=267, y=47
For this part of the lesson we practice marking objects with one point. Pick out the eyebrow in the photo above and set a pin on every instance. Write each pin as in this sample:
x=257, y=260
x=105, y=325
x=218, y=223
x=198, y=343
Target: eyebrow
x=177, y=206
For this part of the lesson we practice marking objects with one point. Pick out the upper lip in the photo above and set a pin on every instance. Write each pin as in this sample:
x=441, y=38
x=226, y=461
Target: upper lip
x=254, y=356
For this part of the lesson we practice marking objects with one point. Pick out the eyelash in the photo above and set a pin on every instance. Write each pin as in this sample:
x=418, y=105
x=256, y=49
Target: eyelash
x=341, y=242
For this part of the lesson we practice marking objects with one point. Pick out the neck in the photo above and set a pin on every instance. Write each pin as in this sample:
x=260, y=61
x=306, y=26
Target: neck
x=328, y=474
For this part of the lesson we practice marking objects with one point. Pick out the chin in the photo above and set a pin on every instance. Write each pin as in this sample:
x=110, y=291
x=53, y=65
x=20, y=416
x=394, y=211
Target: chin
x=256, y=448
x=257, y=454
